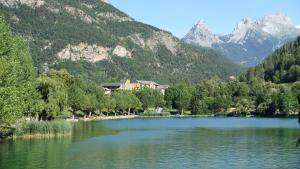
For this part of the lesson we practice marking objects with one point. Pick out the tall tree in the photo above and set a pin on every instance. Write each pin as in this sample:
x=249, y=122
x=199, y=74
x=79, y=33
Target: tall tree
x=54, y=93
x=17, y=76
x=146, y=97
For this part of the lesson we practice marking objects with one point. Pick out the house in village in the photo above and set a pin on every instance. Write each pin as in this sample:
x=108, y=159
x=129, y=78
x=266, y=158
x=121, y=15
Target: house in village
x=111, y=87
x=128, y=85
x=153, y=85
x=148, y=84
x=123, y=85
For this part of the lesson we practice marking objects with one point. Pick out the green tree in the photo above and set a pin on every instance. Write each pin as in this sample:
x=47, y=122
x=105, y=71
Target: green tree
x=110, y=104
x=287, y=103
x=133, y=103
x=170, y=96
x=198, y=105
x=158, y=99
x=146, y=97
x=179, y=97
x=17, y=84
x=77, y=99
x=126, y=100
x=54, y=94
x=95, y=96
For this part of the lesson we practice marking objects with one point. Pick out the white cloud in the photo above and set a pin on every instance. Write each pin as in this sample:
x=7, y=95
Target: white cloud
x=298, y=26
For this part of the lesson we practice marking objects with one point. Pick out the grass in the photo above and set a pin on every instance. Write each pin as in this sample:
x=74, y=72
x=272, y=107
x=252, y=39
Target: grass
x=43, y=129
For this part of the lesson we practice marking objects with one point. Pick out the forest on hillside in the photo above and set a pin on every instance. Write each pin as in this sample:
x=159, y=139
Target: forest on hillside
x=49, y=29
x=283, y=66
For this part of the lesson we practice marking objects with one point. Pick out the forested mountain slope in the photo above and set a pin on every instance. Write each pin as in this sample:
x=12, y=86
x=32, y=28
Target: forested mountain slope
x=96, y=41
x=283, y=66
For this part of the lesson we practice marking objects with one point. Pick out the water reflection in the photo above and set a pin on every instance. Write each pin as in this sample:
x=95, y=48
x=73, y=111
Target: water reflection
x=29, y=154
x=84, y=130
x=162, y=143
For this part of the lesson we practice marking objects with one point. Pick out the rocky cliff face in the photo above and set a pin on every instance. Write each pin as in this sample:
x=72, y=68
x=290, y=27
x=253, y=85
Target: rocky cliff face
x=84, y=51
x=94, y=40
x=16, y=3
x=250, y=41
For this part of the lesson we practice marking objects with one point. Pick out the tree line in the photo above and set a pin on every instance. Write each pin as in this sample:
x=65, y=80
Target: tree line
x=256, y=97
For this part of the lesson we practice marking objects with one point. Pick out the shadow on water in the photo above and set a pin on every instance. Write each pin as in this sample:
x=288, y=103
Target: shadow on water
x=85, y=130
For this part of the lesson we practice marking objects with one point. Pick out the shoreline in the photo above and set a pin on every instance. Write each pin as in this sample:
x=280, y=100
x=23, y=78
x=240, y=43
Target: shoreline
x=42, y=136
x=106, y=118
x=102, y=118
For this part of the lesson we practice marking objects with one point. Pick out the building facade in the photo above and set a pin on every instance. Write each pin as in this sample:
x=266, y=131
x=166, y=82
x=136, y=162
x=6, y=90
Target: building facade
x=128, y=85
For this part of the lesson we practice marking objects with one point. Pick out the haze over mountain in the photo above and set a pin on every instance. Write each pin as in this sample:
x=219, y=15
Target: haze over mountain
x=96, y=41
x=250, y=41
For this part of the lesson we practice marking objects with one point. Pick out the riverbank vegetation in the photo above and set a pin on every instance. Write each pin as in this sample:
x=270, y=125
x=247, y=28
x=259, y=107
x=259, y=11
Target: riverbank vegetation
x=42, y=129
x=235, y=98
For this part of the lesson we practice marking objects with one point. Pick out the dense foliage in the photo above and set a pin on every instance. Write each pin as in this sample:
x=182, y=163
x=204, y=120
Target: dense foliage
x=150, y=98
x=283, y=66
x=17, y=78
x=235, y=98
x=51, y=27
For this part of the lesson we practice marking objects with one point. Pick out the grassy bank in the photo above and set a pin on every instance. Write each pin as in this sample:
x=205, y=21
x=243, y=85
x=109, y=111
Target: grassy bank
x=42, y=129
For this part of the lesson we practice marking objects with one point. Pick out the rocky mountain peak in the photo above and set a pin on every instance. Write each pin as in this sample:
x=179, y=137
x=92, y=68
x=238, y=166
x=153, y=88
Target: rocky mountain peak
x=277, y=24
x=246, y=21
x=200, y=35
x=241, y=30
x=201, y=25
x=244, y=24
x=249, y=42
x=277, y=18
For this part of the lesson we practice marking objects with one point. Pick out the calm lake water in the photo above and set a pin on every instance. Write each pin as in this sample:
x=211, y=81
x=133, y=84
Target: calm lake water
x=163, y=143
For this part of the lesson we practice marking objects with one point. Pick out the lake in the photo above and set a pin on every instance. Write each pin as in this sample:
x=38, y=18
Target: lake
x=163, y=143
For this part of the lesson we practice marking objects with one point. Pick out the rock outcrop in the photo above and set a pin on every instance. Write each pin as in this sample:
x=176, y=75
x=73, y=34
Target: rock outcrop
x=15, y=3
x=84, y=51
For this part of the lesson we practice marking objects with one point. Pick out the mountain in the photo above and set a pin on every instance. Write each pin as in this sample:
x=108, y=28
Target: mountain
x=283, y=66
x=250, y=42
x=200, y=35
x=96, y=41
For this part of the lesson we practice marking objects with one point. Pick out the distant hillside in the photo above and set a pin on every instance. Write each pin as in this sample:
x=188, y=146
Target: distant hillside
x=283, y=66
x=96, y=41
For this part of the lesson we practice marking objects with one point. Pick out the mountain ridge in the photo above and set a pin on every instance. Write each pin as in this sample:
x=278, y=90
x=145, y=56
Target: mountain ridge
x=250, y=41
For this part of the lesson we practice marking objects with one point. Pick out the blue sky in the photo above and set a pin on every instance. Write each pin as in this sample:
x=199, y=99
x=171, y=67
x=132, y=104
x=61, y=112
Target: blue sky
x=178, y=16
